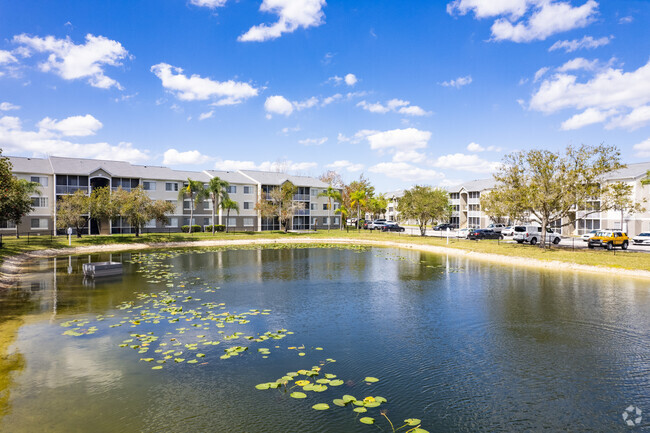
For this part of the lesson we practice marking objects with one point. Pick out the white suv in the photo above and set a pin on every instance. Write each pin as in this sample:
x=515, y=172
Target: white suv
x=496, y=227
x=533, y=234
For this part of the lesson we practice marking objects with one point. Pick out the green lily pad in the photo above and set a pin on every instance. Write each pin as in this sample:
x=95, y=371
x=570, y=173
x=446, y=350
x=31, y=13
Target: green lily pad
x=412, y=421
x=298, y=395
x=371, y=379
x=383, y=400
x=360, y=409
x=338, y=402
x=157, y=367
x=348, y=398
x=263, y=386
x=367, y=420
x=420, y=430
x=319, y=388
x=321, y=406
x=336, y=382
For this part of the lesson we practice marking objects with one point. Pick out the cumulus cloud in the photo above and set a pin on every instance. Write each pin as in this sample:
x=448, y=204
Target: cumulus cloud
x=609, y=91
x=7, y=57
x=197, y=88
x=74, y=126
x=192, y=157
x=475, y=147
x=527, y=20
x=350, y=79
x=579, y=63
x=231, y=165
x=458, y=82
x=405, y=172
x=206, y=115
x=394, y=105
x=308, y=103
x=344, y=164
x=49, y=141
x=277, y=104
x=637, y=118
x=587, y=42
x=461, y=161
x=587, y=117
x=8, y=106
x=71, y=61
x=212, y=4
x=399, y=139
x=292, y=14
x=643, y=149
x=313, y=141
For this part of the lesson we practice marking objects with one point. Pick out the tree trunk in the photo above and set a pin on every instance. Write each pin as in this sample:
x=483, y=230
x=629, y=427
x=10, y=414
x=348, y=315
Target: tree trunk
x=622, y=220
x=329, y=215
x=17, y=234
x=542, y=241
x=214, y=215
x=227, y=218
x=191, y=214
x=358, y=217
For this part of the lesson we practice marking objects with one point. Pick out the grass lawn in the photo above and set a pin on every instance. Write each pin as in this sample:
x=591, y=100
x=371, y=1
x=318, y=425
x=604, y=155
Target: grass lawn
x=613, y=259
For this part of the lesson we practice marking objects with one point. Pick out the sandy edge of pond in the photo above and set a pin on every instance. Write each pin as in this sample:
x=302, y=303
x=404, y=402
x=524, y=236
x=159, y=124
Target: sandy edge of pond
x=11, y=268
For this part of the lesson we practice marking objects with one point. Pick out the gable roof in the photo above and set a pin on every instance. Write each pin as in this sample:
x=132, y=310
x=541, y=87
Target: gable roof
x=30, y=165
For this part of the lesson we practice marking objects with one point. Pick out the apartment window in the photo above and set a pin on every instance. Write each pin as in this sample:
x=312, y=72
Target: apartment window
x=39, y=223
x=324, y=206
x=173, y=222
x=475, y=207
x=149, y=185
x=232, y=222
x=39, y=180
x=248, y=222
x=336, y=220
x=454, y=196
x=7, y=225
x=171, y=186
x=186, y=204
x=125, y=183
x=186, y=221
x=474, y=194
x=314, y=192
x=326, y=220
x=172, y=202
x=248, y=205
x=475, y=222
x=248, y=190
x=232, y=189
x=151, y=224
x=207, y=205
x=206, y=221
x=313, y=206
x=39, y=201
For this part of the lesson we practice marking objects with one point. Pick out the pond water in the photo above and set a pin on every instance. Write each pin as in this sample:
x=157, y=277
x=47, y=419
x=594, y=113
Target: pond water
x=463, y=346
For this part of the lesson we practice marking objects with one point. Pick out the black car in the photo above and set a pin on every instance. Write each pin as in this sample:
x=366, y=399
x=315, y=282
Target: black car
x=477, y=234
x=444, y=227
x=392, y=228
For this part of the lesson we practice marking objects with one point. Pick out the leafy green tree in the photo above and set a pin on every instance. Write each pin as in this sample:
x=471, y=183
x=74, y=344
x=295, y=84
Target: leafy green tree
x=550, y=185
x=138, y=208
x=227, y=204
x=331, y=194
x=195, y=191
x=344, y=212
x=20, y=200
x=102, y=206
x=217, y=192
x=280, y=204
x=499, y=209
x=359, y=199
x=424, y=204
x=6, y=182
x=378, y=205
x=159, y=209
x=71, y=211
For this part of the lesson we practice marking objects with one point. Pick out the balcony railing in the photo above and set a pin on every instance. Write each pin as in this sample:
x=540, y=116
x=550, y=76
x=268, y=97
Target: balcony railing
x=301, y=212
x=301, y=197
x=66, y=189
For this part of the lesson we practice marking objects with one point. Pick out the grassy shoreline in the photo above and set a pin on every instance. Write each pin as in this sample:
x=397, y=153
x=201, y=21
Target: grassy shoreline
x=600, y=258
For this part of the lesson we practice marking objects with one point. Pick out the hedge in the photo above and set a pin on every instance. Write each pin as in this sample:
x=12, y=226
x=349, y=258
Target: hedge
x=217, y=228
x=195, y=228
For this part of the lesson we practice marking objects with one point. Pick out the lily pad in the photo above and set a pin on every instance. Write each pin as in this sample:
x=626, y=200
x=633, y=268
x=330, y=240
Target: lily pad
x=338, y=402
x=360, y=409
x=348, y=398
x=336, y=382
x=321, y=406
x=370, y=379
x=298, y=395
x=412, y=421
x=367, y=420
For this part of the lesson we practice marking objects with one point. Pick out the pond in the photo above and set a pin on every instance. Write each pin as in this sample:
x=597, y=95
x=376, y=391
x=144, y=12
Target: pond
x=260, y=340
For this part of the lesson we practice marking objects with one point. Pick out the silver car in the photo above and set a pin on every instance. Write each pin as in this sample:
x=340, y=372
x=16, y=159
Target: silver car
x=642, y=239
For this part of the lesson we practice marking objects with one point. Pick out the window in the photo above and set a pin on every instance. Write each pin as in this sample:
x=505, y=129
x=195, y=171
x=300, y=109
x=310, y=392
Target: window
x=39, y=223
x=248, y=190
x=39, y=201
x=454, y=196
x=173, y=222
x=248, y=222
x=39, y=180
x=474, y=194
x=232, y=189
x=336, y=220
x=232, y=222
x=206, y=221
x=151, y=224
x=314, y=192
x=149, y=185
x=313, y=206
x=207, y=205
x=326, y=220
x=7, y=225
x=171, y=186
x=248, y=205
x=324, y=206
x=172, y=202
x=186, y=204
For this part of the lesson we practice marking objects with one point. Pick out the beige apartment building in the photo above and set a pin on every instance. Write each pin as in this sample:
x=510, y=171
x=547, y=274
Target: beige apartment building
x=59, y=176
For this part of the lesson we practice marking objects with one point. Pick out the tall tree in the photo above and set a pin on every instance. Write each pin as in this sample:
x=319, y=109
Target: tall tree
x=497, y=207
x=71, y=210
x=6, y=181
x=195, y=191
x=378, y=205
x=551, y=185
x=344, y=212
x=280, y=204
x=359, y=192
x=138, y=208
x=424, y=204
x=227, y=204
x=102, y=206
x=620, y=197
x=20, y=200
x=331, y=194
x=217, y=192
x=332, y=178
x=359, y=199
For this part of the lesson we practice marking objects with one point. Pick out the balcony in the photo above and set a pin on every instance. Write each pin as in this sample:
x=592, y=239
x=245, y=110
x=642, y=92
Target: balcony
x=301, y=197
x=474, y=213
x=69, y=189
x=301, y=212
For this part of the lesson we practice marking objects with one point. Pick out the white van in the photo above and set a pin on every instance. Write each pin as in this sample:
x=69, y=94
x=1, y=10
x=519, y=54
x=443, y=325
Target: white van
x=533, y=234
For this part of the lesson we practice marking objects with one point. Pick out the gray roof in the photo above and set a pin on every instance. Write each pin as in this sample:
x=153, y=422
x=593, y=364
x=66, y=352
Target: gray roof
x=632, y=171
x=474, y=185
x=394, y=194
x=229, y=176
x=274, y=178
x=30, y=165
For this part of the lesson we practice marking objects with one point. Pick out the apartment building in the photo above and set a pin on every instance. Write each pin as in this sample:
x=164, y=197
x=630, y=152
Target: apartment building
x=59, y=176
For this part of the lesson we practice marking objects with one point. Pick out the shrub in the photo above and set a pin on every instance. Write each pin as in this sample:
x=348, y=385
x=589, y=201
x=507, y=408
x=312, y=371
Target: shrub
x=195, y=228
x=217, y=228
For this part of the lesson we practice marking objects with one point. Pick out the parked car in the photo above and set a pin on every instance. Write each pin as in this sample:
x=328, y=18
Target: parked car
x=376, y=224
x=533, y=234
x=444, y=226
x=462, y=233
x=642, y=238
x=609, y=239
x=496, y=227
x=589, y=235
x=477, y=234
x=392, y=227
x=508, y=231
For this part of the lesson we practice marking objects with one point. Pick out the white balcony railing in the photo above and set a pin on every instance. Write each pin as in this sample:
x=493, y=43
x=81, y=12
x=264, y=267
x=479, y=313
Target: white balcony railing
x=66, y=189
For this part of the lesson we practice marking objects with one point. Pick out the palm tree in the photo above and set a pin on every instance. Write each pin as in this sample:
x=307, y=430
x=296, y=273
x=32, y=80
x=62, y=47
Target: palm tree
x=227, y=204
x=195, y=191
x=217, y=191
x=344, y=212
x=359, y=198
x=330, y=193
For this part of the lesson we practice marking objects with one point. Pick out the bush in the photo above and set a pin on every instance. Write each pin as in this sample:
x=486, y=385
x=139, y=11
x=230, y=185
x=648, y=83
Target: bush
x=217, y=228
x=195, y=228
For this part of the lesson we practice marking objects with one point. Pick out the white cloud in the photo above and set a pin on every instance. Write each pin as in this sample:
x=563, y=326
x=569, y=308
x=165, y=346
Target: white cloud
x=74, y=126
x=626, y=20
x=373, y=108
x=408, y=156
x=610, y=91
x=540, y=73
x=277, y=104
x=458, y=82
x=212, y=4
x=587, y=117
x=345, y=165
x=643, y=149
x=413, y=110
x=16, y=140
x=342, y=138
x=331, y=99
x=195, y=87
x=71, y=61
x=287, y=130
x=7, y=106
x=461, y=161
x=313, y=141
x=193, y=157
x=527, y=20
x=405, y=172
x=292, y=14
x=230, y=165
x=579, y=63
x=206, y=115
x=398, y=139
x=7, y=57
x=308, y=103
x=587, y=42
x=475, y=147
x=395, y=105
x=350, y=79
x=637, y=118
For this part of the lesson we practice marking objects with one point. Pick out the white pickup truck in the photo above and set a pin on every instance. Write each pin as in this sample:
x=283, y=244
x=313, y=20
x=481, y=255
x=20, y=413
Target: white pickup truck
x=533, y=234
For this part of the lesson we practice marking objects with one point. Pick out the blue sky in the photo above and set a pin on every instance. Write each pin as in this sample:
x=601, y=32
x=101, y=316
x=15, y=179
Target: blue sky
x=405, y=92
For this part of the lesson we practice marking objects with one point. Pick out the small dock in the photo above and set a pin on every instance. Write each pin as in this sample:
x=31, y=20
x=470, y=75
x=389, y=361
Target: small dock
x=102, y=269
